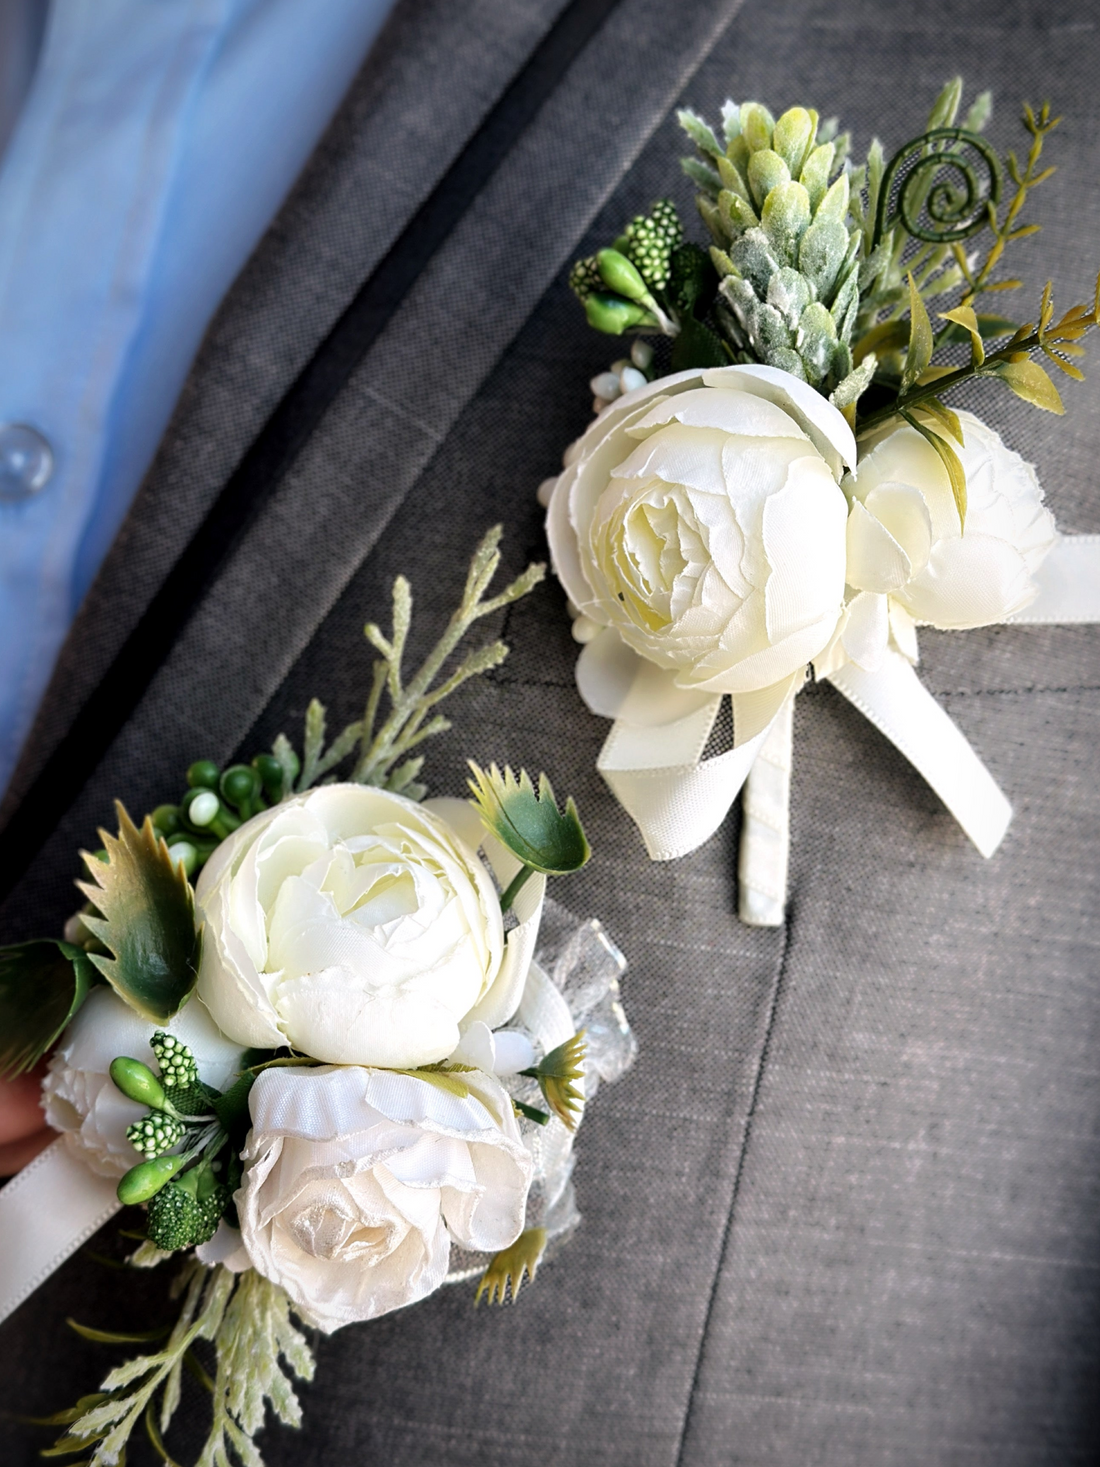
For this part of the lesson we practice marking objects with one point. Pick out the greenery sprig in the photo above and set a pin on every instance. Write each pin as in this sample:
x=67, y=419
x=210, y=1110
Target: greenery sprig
x=247, y=1320
x=380, y=750
x=830, y=271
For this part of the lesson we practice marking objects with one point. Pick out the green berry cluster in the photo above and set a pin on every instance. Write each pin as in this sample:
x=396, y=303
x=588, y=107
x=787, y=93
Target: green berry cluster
x=177, y=1063
x=186, y=1211
x=179, y=1138
x=155, y=1134
x=649, y=240
x=215, y=804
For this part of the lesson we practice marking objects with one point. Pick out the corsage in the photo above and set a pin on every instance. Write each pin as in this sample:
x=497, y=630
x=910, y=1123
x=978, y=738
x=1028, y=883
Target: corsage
x=343, y=1067
x=795, y=491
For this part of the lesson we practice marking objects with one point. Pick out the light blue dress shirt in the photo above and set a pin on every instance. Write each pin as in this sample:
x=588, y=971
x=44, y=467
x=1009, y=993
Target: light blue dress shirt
x=157, y=141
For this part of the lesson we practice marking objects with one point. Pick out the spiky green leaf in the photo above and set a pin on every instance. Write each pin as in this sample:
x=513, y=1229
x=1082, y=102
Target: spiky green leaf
x=557, y=1073
x=530, y=825
x=508, y=1268
x=147, y=922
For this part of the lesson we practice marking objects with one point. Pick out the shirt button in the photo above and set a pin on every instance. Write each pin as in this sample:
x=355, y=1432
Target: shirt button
x=26, y=461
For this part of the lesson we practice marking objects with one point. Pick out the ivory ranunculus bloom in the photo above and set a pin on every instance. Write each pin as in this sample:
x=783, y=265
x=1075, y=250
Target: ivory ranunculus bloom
x=357, y=1181
x=910, y=562
x=700, y=521
x=356, y=926
x=82, y=1101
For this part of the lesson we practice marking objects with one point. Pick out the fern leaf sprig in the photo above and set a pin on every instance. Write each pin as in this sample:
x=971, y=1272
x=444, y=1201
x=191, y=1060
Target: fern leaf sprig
x=130, y=1389
x=380, y=752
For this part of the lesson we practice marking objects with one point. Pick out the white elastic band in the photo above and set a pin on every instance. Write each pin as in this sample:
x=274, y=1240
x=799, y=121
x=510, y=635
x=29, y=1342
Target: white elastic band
x=46, y=1212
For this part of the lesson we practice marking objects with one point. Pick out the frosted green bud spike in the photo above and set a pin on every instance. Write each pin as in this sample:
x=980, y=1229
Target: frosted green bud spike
x=611, y=315
x=137, y=1082
x=619, y=275
x=177, y=1063
x=147, y=1178
x=157, y=1133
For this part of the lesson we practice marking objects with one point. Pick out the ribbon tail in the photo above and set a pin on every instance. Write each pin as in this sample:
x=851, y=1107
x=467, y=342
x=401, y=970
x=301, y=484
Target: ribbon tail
x=899, y=705
x=766, y=827
x=1069, y=583
x=676, y=800
x=46, y=1212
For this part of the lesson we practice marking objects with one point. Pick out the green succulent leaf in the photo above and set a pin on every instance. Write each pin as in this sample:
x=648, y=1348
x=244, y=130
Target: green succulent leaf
x=700, y=133
x=42, y=984
x=530, y=825
x=147, y=921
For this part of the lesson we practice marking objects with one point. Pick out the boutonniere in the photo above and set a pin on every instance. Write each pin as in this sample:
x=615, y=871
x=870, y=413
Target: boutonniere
x=779, y=480
x=312, y=1026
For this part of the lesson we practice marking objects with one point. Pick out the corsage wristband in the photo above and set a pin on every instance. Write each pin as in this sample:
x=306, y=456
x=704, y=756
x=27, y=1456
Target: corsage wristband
x=344, y=1068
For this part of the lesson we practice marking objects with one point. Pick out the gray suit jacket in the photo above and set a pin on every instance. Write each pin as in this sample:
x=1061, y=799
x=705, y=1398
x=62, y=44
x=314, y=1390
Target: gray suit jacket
x=845, y=1209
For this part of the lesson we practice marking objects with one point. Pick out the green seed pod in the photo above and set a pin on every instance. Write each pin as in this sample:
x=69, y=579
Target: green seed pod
x=184, y=854
x=619, y=275
x=271, y=772
x=147, y=1178
x=202, y=810
x=611, y=315
x=203, y=774
x=240, y=785
x=166, y=818
x=137, y=1082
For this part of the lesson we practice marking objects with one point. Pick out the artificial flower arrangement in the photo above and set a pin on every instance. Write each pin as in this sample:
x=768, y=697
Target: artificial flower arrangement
x=340, y=1070
x=796, y=491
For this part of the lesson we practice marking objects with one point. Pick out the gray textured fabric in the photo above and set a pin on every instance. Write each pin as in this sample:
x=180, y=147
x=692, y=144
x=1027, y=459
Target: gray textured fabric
x=844, y=1210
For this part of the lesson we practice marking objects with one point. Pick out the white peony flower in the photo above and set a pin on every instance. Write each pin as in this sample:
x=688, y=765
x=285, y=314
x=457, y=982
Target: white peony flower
x=910, y=563
x=359, y=928
x=82, y=1101
x=358, y=1180
x=699, y=521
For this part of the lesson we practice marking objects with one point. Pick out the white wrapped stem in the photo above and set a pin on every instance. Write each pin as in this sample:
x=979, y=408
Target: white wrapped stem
x=766, y=827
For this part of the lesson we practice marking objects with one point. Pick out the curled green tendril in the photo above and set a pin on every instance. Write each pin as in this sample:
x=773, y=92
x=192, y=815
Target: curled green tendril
x=957, y=206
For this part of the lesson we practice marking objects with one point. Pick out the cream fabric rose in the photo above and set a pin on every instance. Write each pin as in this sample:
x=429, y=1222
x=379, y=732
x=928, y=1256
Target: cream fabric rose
x=700, y=521
x=358, y=927
x=358, y=1180
x=910, y=564
x=80, y=1098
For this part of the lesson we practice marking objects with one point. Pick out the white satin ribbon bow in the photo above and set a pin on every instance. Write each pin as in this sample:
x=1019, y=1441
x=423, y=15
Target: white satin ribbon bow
x=653, y=757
